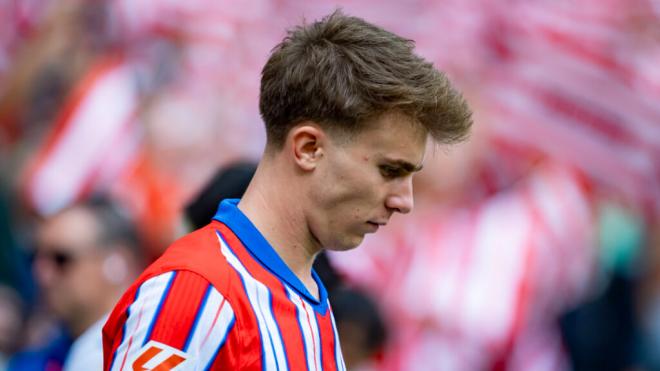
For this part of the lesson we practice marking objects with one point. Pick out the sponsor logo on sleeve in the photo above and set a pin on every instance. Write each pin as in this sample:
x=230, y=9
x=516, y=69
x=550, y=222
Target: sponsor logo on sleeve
x=155, y=356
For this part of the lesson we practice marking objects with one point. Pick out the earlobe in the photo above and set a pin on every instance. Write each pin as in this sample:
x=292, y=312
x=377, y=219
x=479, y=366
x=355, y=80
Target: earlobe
x=308, y=144
x=115, y=268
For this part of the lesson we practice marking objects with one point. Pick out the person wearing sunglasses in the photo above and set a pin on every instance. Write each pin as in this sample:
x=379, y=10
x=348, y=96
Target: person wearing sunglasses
x=85, y=258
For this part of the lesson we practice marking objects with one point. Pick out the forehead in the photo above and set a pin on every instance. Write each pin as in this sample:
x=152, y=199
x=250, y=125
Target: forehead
x=74, y=228
x=394, y=136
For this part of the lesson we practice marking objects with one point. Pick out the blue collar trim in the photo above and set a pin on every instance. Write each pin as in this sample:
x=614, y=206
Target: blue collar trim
x=230, y=215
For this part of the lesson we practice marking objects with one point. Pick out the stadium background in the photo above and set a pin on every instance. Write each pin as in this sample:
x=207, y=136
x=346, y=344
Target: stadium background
x=533, y=246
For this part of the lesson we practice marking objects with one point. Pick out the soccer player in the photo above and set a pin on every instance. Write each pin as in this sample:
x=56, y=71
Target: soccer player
x=348, y=109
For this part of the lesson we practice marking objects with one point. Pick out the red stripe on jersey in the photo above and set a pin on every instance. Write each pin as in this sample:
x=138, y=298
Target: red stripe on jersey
x=179, y=309
x=328, y=347
x=285, y=315
x=284, y=311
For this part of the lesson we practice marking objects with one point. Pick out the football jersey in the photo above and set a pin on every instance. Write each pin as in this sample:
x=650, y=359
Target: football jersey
x=222, y=298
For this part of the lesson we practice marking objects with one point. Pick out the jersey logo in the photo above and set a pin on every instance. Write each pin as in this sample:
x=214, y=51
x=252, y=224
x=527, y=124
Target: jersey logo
x=155, y=356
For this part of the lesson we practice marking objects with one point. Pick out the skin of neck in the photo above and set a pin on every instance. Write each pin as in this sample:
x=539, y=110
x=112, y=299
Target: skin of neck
x=272, y=203
x=101, y=304
x=79, y=322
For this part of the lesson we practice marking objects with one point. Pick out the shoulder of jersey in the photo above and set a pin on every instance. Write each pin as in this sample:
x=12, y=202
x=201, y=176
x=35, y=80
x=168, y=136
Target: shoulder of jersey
x=198, y=252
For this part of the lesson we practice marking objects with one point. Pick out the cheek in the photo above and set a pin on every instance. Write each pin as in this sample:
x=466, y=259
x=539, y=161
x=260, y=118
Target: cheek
x=355, y=193
x=59, y=298
x=86, y=283
x=350, y=209
x=363, y=200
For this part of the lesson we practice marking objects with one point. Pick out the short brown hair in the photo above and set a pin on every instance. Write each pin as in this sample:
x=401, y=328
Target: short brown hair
x=341, y=72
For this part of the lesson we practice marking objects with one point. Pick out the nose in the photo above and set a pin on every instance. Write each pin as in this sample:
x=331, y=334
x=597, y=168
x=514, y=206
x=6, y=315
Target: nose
x=401, y=198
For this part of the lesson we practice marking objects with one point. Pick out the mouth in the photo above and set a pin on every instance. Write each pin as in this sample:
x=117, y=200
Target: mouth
x=375, y=225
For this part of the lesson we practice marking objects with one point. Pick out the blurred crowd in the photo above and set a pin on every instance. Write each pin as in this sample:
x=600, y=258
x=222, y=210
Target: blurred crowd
x=533, y=246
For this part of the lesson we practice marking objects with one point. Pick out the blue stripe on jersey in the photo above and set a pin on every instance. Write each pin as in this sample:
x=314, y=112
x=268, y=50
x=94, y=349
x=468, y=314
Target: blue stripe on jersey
x=256, y=244
x=202, y=305
x=160, y=305
x=123, y=330
x=222, y=342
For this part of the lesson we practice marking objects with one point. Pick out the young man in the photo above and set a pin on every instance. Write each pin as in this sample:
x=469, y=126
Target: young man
x=348, y=109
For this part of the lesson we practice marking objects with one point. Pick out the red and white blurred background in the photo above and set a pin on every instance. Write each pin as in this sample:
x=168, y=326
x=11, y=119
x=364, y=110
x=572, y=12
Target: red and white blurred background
x=145, y=99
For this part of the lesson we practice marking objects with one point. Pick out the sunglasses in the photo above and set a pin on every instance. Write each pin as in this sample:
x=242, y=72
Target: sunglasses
x=61, y=259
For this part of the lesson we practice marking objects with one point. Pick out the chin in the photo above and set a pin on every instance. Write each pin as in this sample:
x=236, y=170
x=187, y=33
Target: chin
x=345, y=245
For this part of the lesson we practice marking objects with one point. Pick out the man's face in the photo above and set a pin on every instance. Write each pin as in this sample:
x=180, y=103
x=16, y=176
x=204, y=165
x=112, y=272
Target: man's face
x=360, y=184
x=68, y=263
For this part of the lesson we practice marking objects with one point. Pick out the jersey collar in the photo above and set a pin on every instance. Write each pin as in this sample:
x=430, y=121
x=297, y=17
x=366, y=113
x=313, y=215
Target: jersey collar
x=230, y=215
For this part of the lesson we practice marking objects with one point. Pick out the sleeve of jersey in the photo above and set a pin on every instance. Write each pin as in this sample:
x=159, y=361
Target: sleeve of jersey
x=177, y=320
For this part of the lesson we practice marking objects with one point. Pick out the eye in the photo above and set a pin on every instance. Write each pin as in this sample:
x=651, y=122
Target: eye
x=390, y=172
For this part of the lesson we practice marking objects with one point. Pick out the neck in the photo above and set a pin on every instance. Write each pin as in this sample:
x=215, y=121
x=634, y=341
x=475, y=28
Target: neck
x=79, y=325
x=80, y=321
x=267, y=203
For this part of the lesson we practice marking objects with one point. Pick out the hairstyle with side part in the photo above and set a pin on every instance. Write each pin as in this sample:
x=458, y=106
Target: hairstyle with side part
x=342, y=72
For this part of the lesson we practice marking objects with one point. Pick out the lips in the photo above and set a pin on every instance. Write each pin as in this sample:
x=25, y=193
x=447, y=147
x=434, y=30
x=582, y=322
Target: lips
x=375, y=225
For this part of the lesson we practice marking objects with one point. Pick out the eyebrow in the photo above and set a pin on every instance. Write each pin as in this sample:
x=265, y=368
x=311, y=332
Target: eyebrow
x=405, y=165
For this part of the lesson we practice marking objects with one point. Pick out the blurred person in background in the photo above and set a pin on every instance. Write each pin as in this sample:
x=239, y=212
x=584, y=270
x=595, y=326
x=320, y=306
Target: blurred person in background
x=604, y=332
x=346, y=132
x=86, y=256
x=360, y=326
x=230, y=181
x=650, y=302
x=12, y=323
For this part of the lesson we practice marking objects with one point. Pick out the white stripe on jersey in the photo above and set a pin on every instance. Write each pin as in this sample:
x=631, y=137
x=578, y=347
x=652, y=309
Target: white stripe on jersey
x=215, y=321
x=313, y=323
x=259, y=296
x=339, y=358
x=309, y=329
x=140, y=316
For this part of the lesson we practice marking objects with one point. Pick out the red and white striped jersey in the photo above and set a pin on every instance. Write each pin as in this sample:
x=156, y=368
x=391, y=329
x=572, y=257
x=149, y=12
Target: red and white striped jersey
x=221, y=298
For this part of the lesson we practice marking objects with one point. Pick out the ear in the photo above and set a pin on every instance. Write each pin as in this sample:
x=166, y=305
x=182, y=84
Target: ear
x=115, y=268
x=308, y=142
